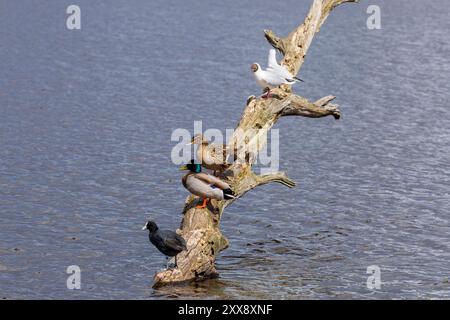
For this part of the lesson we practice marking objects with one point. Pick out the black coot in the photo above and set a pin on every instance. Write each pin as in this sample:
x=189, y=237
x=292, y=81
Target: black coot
x=166, y=241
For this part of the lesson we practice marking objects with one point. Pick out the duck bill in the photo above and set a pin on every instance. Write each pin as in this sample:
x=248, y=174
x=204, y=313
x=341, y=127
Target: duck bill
x=182, y=168
x=144, y=227
x=190, y=143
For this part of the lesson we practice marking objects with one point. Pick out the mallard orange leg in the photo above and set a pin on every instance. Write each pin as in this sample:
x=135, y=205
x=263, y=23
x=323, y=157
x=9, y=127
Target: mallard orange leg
x=203, y=205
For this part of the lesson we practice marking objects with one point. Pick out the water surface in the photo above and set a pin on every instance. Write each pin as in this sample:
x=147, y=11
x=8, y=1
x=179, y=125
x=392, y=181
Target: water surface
x=85, y=126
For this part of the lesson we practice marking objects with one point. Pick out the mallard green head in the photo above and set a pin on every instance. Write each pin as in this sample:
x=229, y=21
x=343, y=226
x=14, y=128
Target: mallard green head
x=193, y=167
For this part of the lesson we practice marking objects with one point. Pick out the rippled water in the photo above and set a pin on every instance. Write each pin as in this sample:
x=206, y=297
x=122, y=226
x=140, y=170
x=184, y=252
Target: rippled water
x=85, y=126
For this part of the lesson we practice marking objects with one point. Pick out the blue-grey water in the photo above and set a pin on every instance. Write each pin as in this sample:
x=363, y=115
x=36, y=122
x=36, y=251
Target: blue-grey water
x=85, y=126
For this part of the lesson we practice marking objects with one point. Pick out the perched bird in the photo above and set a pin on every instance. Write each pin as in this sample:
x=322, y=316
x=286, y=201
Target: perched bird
x=205, y=185
x=275, y=75
x=166, y=241
x=212, y=156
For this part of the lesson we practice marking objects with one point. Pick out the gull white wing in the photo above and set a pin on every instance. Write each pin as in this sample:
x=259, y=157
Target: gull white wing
x=273, y=66
x=272, y=59
x=272, y=78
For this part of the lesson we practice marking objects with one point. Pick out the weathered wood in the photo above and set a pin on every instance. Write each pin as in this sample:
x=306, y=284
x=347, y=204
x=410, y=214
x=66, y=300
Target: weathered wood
x=201, y=227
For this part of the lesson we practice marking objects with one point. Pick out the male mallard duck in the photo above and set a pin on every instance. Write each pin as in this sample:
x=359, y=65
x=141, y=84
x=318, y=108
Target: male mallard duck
x=166, y=241
x=212, y=156
x=205, y=185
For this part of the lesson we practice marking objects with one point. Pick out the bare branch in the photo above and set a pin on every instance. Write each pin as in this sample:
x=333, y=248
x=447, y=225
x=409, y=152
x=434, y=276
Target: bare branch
x=279, y=177
x=299, y=106
x=329, y=5
x=296, y=44
x=252, y=181
x=276, y=42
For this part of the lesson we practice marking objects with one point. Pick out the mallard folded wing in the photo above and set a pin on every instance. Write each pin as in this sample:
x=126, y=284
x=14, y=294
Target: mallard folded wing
x=212, y=180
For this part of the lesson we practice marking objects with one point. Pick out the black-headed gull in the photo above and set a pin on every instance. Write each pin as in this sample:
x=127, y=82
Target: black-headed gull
x=275, y=75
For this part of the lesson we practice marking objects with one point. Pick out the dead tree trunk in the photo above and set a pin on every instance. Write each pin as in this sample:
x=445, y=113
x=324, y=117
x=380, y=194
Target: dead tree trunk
x=201, y=227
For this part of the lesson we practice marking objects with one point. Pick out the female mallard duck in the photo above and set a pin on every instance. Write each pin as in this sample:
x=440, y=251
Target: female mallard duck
x=212, y=156
x=205, y=185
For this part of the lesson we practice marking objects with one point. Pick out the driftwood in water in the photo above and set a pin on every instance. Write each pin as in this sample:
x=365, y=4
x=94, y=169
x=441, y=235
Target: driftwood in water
x=201, y=227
